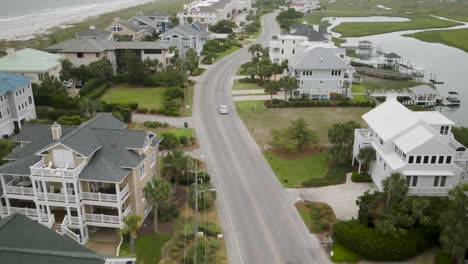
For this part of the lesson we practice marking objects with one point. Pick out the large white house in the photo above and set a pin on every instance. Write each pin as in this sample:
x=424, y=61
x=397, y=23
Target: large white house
x=418, y=145
x=77, y=179
x=320, y=73
x=16, y=102
x=185, y=37
x=205, y=11
x=33, y=63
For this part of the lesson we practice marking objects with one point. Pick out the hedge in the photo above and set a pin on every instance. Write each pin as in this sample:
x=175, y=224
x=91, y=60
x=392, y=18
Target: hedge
x=98, y=91
x=372, y=245
x=276, y=103
x=335, y=175
x=89, y=86
x=356, y=177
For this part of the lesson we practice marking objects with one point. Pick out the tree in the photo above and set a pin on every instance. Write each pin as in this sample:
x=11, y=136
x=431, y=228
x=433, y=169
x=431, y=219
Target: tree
x=157, y=191
x=101, y=70
x=174, y=20
x=206, y=196
x=190, y=20
x=366, y=156
x=453, y=223
x=134, y=67
x=272, y=87
x=395, y=189
x=67, y=70
x=88, y=106
x=341, y=135
x=74, y=120
x=170, y=142
x=255, y=49
x=289, y=84
x=150, y=66
x=132, y=223
x=6, y=146
x=191, y=60
x=176, y=165
x=265, y=71
x=82, y=73
x=297, y=136
x=223, y=26
x=276, y=69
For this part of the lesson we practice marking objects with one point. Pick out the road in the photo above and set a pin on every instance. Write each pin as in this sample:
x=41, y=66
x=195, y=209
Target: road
x=259, y=224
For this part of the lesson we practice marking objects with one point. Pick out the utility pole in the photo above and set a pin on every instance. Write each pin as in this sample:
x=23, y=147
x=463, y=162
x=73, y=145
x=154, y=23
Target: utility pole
x=196, y=212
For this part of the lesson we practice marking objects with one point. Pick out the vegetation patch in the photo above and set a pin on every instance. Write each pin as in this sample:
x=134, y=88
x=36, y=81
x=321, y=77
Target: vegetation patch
x=318, y=217
x=147, y=247
x=149, y=98
x=342, y=254
x=356, y=177
x=454, y=38
x=242, y=85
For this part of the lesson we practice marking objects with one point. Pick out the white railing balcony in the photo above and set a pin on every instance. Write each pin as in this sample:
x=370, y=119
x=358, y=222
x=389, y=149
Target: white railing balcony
x=105, y=197
x=127, y=211
x=430, y=191
x=124, y=191
x=67, y=231
x=102, y=218
x=56, y=197
x=73, y=220
x=363, y=136
x=23, y=191
x=41, y=169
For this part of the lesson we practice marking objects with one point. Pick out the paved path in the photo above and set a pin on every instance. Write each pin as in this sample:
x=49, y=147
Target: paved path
x=260, y=224
x=257, y=97
x=247, y=92
x=173, y=121
x=342, y=198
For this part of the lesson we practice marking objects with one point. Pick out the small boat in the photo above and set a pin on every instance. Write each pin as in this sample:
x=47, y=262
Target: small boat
x=453, y=99
x=434, y=81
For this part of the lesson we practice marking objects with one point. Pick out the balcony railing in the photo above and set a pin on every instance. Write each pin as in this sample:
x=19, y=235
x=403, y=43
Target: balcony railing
x=102, y=218
x=24, y=191
x=32, y=213
x=105, y=197
x=460, y=151
x=40, y=169
x=67, y=231
x=56, y=197
x=127, y=211
x=433, y=191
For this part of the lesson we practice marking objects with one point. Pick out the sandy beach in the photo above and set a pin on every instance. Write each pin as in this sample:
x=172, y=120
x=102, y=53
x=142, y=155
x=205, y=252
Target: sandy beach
x=25, y=27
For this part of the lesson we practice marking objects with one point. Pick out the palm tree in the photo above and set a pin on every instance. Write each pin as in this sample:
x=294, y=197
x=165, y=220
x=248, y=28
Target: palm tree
x=275, y=38
x=395, y=189
x=289, y=85
x=88, y=106
x=157, y=191
x=176, y=164
x=254, y=49
x=272, y=87
x=277, y=69
x=366, y=156
x=132, y=223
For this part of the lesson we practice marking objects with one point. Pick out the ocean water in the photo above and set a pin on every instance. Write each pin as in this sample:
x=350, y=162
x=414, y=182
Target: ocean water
x=18, y=8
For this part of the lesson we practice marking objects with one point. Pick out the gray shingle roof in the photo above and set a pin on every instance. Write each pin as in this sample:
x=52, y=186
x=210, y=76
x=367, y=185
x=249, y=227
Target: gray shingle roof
x=155, y=13
x=112, y=144
x=318, y=59
x=148, y=21
x=97, y=32
x=423, y=89
x=183, y=30
x=392, y=55
x=309, y=32
x=100, y=45
x=128, y=25
x=24, y=241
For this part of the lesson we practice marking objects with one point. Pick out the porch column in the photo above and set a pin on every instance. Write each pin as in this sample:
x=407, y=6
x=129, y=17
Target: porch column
x=77, y=194
x=44, y=190
x=65, y=192
x=8, y=205
x=359, y=169
x=352, y=161
x=3, y=182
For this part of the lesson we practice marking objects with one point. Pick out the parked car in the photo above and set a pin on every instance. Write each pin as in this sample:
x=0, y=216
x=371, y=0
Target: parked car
x=68, y=84
x=223, y=109
x=79, y=83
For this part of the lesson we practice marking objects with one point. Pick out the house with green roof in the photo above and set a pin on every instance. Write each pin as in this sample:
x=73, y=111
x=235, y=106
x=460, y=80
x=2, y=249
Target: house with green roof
x=77, y=179
x=16, y=102
x=33, y=63
x=24, y=241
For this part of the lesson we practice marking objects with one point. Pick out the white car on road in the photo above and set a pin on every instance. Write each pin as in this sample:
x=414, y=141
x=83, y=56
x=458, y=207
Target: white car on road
x=68, y=84
x=223, y=109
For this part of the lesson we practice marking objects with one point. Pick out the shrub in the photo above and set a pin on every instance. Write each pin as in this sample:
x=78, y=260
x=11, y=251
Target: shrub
x=372, y=245
x=74, y=120
x=189, y=179
x=152, y=124
x=174, y=92
x=153, y=111
x=133, y=105
x=119, y=78
x=183, y=140
x=211, y=229
x=98, y=91
x=142, y=110
x=167, y=212
x=89, y=86
x=335, y=175
x=442, y=258
x=277, y=103
x=343, y=255
x=170, y=77
x=356, y=177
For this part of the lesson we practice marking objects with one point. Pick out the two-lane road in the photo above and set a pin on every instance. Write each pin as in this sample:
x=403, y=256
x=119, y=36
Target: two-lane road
x=260, y=226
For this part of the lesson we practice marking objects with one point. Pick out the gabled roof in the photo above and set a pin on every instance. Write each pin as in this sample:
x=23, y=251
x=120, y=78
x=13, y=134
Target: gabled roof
x=390, y=119
x=96, y=32
x=307, y=31
x=127, y=24
x=148, y=21
x=392, y=56
x=423, y=89
x=434, y=118
x=100, y=45
x=11, y=81
x=29, y=60
x=183, y=30
x=155, y=13
x=24, y=241
x=413, y=138
x=318, y=59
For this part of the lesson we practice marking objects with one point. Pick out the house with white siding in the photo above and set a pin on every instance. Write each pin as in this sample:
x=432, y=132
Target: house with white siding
x=185, y=37
x=16, y=102
x=124, y=27
x=152, y=22
x=78, y=179
x=320, y=73
x=418, y=145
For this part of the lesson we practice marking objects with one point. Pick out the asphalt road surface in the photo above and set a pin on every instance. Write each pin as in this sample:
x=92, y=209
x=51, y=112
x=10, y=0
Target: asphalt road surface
x=260, y=225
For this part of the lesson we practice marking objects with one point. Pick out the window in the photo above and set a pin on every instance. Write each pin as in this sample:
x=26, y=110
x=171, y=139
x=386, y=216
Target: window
x=436, y=181
x=282, y=51
x=418, y=159
x=381, y=141
x=1, y=98
x=441, y=159
x=117, y=28
x=41, y=76
x=16, y=93
x=8, y=111
x=415, y=181
x=321, y=82
x=30, y=99
x=282, y=41
x=384, y=166
x=80, y=55
x=142, y=170
x=408, y=180
x=1, y=116
x=448, y=160
x=433, y=159
x=97, y=54
x=443, y=181
x=152, y=159
x=293, y=51
x=152, y=51
x=426, y=159
x=444, y=130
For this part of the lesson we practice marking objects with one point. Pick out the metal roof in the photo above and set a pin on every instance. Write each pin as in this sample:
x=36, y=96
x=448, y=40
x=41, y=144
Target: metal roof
x=29, y=60
x=96, y=32
x=318, y=59
x=11, y=81
x=100, y=45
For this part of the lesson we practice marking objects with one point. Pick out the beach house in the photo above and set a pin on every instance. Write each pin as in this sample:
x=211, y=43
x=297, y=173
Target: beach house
x=33, y=63
x=16, y=102
x=95, y=33
x=126, y=29
x=152, y=22
x=321, y=73
x=205, y=11
x=418, y=145
x=185, y=37
x=77, y=179
x=24, y=241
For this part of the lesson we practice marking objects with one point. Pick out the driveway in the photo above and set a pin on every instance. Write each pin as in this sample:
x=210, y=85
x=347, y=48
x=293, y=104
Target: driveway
x=260, y=224
x=173, y=121
x=342, y=198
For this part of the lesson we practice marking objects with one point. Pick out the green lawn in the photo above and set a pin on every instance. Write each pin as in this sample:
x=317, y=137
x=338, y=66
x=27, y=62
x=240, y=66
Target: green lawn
x=304, y=212
x=150, y=98
x=343, y=255
x=359, y=29
x=260, y=120
x=147, y=248
x=292, y=172
x=223, y=54
x=455, y=38
x=178, y=131
x=371, y=83
x=360, y=98
x=358, y=88
x=238, y=85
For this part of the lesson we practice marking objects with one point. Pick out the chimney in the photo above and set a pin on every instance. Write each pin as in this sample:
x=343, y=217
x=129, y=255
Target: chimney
x=10, y=52
x=56, y=131
x=92, y=27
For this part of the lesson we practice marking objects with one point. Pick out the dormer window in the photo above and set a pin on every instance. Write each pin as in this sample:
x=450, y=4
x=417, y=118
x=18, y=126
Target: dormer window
x=444, y=130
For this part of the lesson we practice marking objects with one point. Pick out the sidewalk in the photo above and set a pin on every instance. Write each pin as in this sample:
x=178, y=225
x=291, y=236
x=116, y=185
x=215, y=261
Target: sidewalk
x=173, y=121
x=247, y=92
